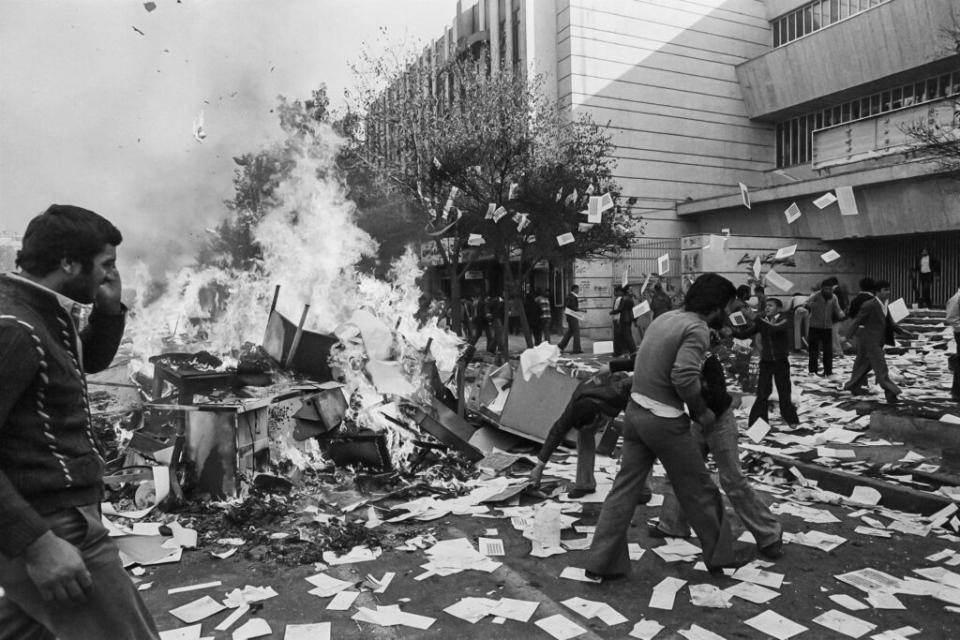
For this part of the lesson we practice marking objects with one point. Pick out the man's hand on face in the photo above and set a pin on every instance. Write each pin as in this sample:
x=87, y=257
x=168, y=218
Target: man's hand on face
x=108, y=294
x=57, y=569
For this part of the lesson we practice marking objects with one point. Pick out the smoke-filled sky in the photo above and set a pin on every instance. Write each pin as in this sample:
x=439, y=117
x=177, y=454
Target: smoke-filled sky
x=95, y=114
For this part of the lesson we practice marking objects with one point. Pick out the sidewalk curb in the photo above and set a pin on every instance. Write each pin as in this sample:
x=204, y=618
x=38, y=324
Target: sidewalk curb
x=893, y=495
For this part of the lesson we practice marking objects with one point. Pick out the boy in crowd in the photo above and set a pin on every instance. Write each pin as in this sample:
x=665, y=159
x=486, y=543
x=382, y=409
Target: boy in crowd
x=774, y=362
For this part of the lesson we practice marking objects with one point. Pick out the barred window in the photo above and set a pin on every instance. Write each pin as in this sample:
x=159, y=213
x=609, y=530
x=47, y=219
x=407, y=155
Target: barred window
x=814, y=16
x=795, y=136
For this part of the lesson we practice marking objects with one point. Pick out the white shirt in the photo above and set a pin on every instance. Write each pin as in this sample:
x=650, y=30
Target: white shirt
x=656, y=407
x=924, y=264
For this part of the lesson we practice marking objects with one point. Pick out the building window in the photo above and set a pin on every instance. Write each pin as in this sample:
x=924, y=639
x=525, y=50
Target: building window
x=815, y=16
x=794, y=137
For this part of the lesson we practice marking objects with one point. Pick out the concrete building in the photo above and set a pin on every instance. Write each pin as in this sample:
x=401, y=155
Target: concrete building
x=9, y=245
x=791, y=98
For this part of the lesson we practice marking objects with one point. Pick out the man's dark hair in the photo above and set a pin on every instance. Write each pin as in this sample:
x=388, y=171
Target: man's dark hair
x=881, y=284
x=64, y=231
x=743, y=292
x=575, y=287
x=868, y=284
x=776, y=301
x=708, y=293
x=830, y=282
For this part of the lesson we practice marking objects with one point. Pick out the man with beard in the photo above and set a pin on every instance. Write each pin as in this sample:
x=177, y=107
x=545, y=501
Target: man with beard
x=667, y=376
x=60, y=570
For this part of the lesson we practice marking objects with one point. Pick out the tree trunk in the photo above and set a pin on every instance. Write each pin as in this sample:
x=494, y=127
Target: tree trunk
x=456, y=309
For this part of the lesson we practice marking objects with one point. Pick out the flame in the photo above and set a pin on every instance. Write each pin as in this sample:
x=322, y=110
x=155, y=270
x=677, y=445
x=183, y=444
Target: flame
x=311, y=244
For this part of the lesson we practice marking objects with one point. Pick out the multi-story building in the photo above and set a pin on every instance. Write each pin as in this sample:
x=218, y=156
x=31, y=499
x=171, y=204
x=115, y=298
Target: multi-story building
x=792, y=99
x=9, y=246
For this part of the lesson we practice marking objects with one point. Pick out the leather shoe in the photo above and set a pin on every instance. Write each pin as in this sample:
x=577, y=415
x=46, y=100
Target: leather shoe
x=577, y=492
x=892, y=399
x=772, y=551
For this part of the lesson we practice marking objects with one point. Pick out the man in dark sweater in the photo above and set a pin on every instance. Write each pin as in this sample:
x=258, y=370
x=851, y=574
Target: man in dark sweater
x=774, y=362
x=591, y=400
x=60, y=571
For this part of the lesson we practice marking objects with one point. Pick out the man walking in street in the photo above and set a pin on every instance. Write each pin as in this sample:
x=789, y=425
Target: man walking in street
x=870, y=326
x=824, y=312
x=572, y=314
x=60, y=570
x=622, y=314
x=546, y=317
x=667, y=377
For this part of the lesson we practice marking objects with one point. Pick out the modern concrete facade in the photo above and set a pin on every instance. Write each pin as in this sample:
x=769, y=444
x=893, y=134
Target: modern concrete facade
x=791, y=98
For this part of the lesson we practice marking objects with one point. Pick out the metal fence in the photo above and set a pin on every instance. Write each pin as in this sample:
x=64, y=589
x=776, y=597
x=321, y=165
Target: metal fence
x=894, y=259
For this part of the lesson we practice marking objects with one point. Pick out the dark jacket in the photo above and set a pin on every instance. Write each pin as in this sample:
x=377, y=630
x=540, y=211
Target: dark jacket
x=870, y=323
x=625, y=310
x=857, y=302
x=774, y=340
x=49, y=457
x=713, y=386
x=572, y=302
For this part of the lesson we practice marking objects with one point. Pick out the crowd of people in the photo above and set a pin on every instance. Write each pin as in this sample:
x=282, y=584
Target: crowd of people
x=677, y=406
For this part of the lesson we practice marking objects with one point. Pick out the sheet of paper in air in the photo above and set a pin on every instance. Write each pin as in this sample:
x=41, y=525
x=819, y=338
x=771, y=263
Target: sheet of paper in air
x=665, y=592
x=565, y=239
x=646, y=630
x=757, y=267
x=594, y=212
x=898, y=310
x=641, y=309
x=847, y=201
x=197, y=610
x=744, y=194
x=560, y=627
x=758, y=431
x=779, y=281
x=773, y=624
x=663, y=264
x=752, y=592
x=499, y=213
x=844, y=623
x=830, y=256
x=786, y=252
x=606, y=202
x=792, y=213
x=310, y=631
x=646, y=281
x=578, y=574
x=183, y=633
x=825, y=200
x=475, y=240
